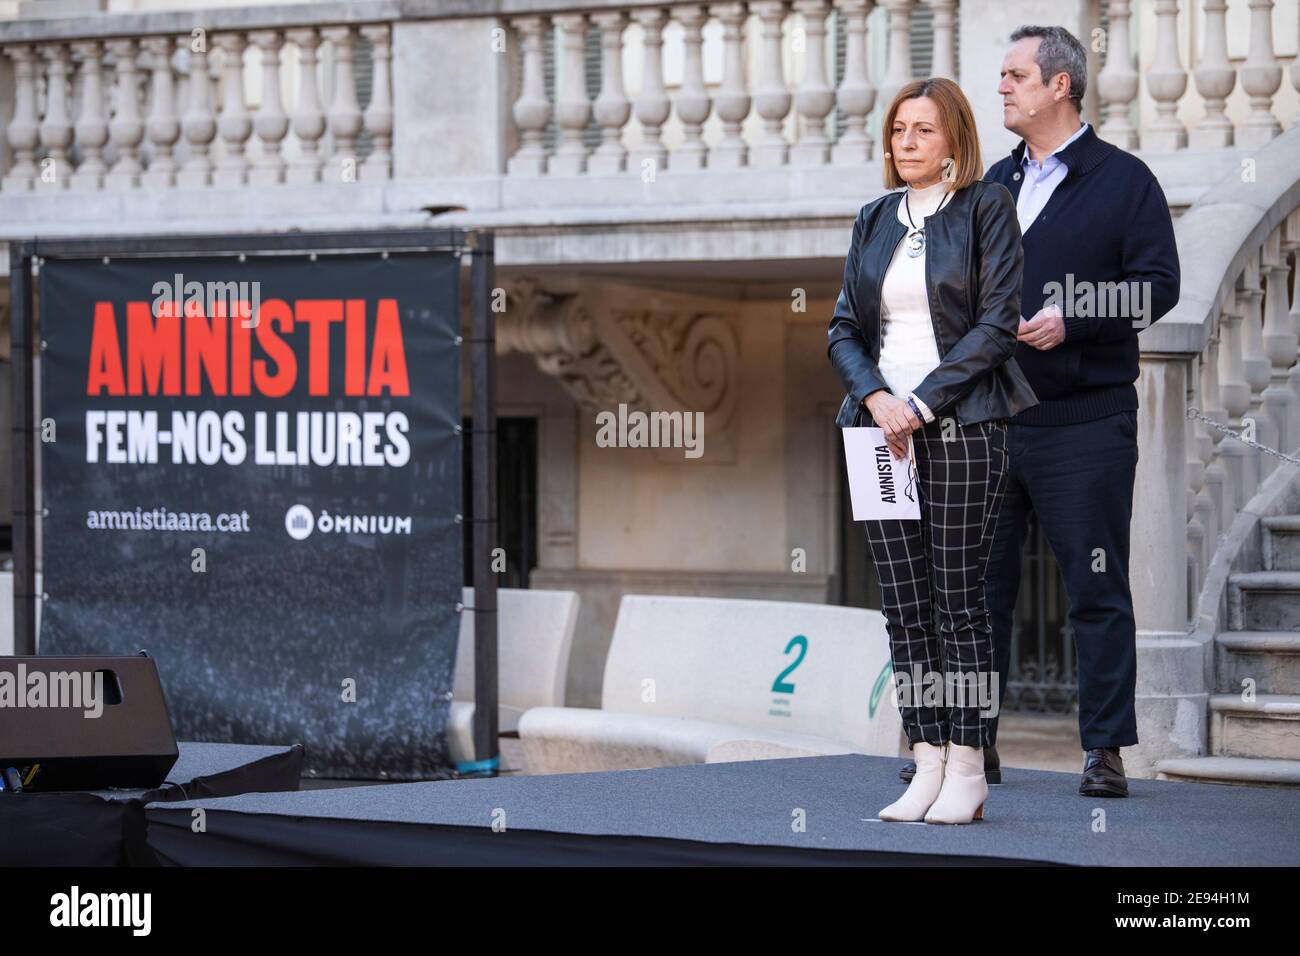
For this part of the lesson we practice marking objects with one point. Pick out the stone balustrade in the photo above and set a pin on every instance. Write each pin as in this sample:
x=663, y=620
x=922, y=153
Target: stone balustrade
x=160, y=110
x=819, y=120
x=1219, y=439
x=1223, y=361
x=1246, y=378
x=1214, y=77
x=822, y=118
x=271, y=95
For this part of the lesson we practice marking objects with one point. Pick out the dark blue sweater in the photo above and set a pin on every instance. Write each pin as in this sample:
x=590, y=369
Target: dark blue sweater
x=1103, y=249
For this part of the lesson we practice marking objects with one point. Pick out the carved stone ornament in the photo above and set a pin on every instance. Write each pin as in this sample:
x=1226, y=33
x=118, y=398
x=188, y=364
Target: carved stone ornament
x=609, y=345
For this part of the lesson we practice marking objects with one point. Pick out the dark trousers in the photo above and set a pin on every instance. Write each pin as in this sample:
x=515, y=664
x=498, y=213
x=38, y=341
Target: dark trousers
x=932, y=579
x=1078, y=480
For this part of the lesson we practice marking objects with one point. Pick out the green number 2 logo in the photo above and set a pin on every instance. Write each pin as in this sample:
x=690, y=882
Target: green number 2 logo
x=781, y=685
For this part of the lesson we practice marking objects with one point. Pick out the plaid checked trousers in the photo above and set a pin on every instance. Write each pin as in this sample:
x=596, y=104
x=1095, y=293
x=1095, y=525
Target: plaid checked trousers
x=932, y=580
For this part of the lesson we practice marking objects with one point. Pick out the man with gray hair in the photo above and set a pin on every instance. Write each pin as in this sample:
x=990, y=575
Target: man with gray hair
x=1100, y=264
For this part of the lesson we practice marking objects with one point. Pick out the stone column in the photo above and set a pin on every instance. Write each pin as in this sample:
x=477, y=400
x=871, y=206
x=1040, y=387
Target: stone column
x=1159, y=528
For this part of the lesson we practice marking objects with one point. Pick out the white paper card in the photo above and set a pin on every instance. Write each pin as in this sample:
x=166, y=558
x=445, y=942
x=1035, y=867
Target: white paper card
x=880, y=486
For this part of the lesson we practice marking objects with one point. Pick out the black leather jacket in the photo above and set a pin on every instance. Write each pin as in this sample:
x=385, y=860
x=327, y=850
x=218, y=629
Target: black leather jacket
x=973, y=266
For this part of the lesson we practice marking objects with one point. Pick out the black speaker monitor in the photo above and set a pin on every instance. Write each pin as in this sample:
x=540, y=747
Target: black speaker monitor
x=85, y=723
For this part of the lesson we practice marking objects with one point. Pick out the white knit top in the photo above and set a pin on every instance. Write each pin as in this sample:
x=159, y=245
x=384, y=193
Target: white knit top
x=908, y=350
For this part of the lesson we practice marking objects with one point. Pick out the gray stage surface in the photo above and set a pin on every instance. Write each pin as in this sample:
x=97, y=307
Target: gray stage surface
x=732, y=813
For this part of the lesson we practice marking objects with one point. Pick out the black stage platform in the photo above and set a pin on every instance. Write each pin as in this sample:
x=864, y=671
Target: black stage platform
x=106, y=827
x=732, y=813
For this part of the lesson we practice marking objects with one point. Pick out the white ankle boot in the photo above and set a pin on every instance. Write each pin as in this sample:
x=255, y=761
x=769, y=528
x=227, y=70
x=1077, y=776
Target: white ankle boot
x=924, y=788
x=964, y=787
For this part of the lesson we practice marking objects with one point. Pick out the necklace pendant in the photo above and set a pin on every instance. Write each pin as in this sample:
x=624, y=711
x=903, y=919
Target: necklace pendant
x=915, y=244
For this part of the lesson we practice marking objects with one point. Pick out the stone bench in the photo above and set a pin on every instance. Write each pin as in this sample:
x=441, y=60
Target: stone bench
x=534, y=635
x=707, y=680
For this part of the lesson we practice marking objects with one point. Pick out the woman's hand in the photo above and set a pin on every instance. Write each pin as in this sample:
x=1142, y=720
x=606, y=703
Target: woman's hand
x=894, y=416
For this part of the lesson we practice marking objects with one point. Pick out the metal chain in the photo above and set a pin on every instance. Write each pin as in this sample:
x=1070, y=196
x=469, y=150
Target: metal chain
x=1193, y=412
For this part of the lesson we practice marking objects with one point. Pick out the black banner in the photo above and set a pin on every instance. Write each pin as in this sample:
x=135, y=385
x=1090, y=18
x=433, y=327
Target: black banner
x=252, y=470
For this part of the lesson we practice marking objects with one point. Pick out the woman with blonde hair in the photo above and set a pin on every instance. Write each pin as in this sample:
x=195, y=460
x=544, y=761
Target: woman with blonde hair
x=922, y=337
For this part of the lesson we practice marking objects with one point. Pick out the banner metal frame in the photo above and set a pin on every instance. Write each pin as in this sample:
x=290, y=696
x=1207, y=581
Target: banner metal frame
x=477, y=245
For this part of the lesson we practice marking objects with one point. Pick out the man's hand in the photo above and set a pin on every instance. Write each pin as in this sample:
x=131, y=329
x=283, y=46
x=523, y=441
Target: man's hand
x=1046, y=330
x=896, y=417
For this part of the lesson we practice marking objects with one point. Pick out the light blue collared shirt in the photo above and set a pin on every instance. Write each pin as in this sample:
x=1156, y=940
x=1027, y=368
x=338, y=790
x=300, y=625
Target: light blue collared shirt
x=1040, y=182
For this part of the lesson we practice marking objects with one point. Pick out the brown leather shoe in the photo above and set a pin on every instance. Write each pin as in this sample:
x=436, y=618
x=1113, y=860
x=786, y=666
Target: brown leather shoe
x=992, y=767
x=1103, y=774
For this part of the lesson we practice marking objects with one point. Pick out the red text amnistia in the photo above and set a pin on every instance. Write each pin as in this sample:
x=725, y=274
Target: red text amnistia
x=215, y=355
x=162, y=352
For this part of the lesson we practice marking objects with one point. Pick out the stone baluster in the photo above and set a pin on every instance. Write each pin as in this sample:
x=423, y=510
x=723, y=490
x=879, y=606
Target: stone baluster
x=199, y=124
x=692, y=102
x=379, y=111
x=732, y=101
x=1117, y=83
x=1255, y=361
x=271, y=123
x=1291, y=251
x=612, y=108
x=1215, y=77
x=855, y=96
x=1210, y=442
x=1234, y=391
x=532, y=111
x=1295, y=73
x=92, y=121
x=652, y=104
x=1280, y=344
x=24, y=130
x=1166, y=82
x=898, y=56
x=1195, y=486
x=235, y=124
x=1261, y=77
x=308, y=118
x=572, y=107
x=814, y=99
x=126, y=128
x=56, y=126
x=945, y=54
x=771, y=96
x=344, y=111
x=163, y=124
x=1291, y=248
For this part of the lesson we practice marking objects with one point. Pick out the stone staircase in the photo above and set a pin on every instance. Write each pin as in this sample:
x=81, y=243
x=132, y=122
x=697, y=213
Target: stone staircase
x=1256, y=742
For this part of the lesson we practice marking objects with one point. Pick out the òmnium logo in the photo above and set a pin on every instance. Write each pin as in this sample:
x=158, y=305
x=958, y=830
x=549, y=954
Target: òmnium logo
x=298, y=521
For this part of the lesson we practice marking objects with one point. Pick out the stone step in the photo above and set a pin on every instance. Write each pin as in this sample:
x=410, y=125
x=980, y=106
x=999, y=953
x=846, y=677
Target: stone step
x=1240, y=771
x=1282, y=543
x=1270, y=658
x=1264, y=601
x=1268, y=726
